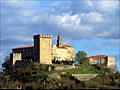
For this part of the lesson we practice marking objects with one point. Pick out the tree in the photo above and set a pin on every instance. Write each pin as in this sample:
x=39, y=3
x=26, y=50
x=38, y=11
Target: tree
x=81, y=56
x=7, y=63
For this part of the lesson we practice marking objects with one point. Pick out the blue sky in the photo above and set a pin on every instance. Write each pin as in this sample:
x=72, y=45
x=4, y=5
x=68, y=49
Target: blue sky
x=89, y=25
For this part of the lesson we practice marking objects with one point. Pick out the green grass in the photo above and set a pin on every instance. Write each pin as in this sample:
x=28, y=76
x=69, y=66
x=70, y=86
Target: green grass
x=83, y=69
x=56, y=65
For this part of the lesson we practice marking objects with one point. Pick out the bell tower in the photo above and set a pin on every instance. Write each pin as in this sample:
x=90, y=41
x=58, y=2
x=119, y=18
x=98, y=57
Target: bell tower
x=59, y=40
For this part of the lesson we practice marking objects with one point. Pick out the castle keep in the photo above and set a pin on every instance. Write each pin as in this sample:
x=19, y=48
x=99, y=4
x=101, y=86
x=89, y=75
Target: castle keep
x=43, y=49
x=43, y=52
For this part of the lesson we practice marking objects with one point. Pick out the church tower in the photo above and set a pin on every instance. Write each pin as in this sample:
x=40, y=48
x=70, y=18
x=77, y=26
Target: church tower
x=59, y=40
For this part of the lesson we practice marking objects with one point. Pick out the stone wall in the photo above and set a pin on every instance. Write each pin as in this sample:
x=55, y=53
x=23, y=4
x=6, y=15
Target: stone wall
x=43, y=48
x=84, y=77
x=65, y=67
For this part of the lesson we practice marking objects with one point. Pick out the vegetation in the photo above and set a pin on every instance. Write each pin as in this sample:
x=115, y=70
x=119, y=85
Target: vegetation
x=81, y=57
x=83, y=69
x=46, y=77
x=39, y=77
x=7, y=63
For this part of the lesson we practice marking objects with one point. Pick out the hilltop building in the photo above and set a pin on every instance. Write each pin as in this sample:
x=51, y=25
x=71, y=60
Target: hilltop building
x=43, y=49
x=24, y=53
x=62, y=53
x=43, y=52
x=108, y=61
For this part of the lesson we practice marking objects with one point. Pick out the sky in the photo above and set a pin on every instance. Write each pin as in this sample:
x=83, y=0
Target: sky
x=88, y=25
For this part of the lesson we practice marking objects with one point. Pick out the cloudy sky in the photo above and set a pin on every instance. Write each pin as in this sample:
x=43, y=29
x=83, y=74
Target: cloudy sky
x=89, y=25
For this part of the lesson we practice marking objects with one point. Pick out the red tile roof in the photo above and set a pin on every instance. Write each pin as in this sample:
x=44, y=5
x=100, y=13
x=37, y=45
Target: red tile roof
x=64, y=46
x=61, y=46
x=98, y=56
x=20, y=47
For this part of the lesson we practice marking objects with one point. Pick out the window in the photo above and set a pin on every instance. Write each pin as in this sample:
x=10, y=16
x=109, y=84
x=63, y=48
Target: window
x=23, y=50
x=30, y=49
x=26, y=50
x=102, y=61
x=19, y=50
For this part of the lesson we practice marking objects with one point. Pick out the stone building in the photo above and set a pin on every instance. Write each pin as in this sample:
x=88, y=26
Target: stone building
x=24, y=53
x=43, y=52
x=43, y=49
x=62, y=53
x=108, y=61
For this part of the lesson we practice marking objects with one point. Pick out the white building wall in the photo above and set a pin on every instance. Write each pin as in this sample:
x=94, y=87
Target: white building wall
x=111, y=62
x=63, y=54
x=16, y=56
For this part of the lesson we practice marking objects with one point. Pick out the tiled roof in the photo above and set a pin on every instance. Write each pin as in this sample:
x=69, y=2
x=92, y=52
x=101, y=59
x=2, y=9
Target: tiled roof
x=98, y=56
x=64, y=46
x=20, y=47
x=61, y=46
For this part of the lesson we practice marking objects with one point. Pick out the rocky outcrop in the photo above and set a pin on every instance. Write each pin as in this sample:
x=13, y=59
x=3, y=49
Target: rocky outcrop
x=55, y=75
x=84, y=77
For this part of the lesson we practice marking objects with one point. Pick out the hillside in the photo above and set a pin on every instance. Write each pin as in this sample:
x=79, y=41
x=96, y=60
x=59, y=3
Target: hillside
x=59, y=77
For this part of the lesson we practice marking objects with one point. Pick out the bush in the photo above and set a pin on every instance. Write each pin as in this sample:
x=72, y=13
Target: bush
x=35, y=78
x=43, y=68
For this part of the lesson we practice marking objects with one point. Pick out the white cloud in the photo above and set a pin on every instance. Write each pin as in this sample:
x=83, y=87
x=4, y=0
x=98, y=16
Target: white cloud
x=33, y=20
x=93, y=17
x=69, y=20
x=57, y=7
x=69, y=24
x=65, y=20
x=88, y=3
x=26, y=13
x=108, y=5
x=102, y=34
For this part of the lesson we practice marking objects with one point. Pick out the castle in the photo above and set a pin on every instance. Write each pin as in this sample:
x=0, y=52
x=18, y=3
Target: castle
x=43, y=52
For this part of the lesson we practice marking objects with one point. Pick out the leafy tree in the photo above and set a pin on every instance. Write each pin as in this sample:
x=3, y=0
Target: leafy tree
x=81, y=57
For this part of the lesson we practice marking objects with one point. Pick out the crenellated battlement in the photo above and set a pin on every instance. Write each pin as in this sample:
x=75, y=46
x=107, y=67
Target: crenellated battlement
x=43, y=52
x=43, y=48
x=43, y=35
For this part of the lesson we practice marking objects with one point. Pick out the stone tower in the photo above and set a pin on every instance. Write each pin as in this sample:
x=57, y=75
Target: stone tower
x=43, y=49
x=59, y=40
